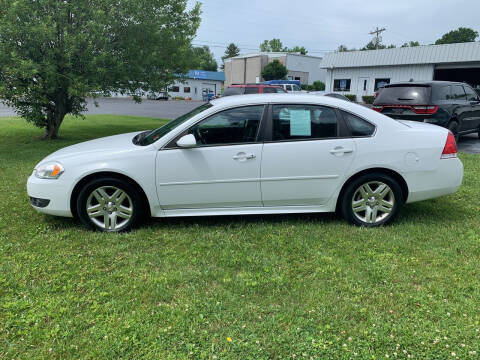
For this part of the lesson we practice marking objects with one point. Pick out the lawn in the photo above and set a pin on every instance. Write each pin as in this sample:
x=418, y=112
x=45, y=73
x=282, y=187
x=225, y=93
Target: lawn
x=269, y=287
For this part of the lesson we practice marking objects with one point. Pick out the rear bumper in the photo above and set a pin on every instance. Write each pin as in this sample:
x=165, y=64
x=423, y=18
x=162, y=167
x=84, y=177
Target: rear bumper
x=444, y=180
x=49, y=196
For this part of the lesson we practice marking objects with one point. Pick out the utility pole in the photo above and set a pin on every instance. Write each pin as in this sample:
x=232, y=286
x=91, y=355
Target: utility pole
x=378, y=38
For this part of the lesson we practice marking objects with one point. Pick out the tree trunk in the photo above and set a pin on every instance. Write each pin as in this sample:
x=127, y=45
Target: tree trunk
x=54, y=120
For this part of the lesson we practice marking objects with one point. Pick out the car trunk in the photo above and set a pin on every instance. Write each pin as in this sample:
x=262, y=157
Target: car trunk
x=405, y=101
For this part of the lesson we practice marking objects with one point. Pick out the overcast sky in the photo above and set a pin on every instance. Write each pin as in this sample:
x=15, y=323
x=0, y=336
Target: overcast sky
x=322, y=25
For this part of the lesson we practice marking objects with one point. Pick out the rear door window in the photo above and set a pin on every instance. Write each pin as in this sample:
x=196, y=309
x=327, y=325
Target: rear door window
x=404, y=94
x=458, y=92
x=471, y=94
x=358, y=126
x=303, y=122
x=251, y=90
x=269, y=90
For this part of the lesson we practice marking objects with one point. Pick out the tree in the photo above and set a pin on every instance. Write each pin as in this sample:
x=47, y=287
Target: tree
x=411, y=44
x=54, y=53
x=274, y=45
x=298, y=49
x=342, y=48
x=460, y=35
x=371, y=46
x=274, y=70
x=232, y=50
x=202, y=59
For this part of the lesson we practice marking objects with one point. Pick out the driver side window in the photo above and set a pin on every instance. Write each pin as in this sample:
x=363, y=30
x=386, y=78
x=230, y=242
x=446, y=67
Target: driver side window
x=233, y=126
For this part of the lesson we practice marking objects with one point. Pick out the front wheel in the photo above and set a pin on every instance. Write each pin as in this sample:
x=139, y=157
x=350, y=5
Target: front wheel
x=110, y=205
x=371, y=200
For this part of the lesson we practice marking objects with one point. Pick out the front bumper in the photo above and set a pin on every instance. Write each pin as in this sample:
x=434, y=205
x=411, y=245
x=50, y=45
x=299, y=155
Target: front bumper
x=55, y=191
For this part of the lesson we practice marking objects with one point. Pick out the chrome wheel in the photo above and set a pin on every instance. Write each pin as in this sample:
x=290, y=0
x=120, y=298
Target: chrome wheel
x=373, y=202
x=109, y=208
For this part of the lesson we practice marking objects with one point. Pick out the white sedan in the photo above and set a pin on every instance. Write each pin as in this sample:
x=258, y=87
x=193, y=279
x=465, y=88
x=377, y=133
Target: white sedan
x=252, y=154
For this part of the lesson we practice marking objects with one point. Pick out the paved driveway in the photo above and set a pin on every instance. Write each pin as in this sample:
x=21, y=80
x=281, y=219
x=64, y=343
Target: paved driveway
x=172, y=109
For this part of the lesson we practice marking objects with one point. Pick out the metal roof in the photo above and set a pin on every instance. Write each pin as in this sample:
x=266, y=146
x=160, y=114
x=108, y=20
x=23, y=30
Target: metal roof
x=427, y=54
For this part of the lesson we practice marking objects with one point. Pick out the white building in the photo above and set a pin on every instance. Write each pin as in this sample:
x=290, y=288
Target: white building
x=361, y=72
x=248, y=68
x=197, y=83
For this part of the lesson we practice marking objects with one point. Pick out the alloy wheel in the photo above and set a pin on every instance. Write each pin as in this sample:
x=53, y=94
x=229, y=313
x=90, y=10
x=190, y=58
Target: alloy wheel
x=373, y=202
x=109, y=207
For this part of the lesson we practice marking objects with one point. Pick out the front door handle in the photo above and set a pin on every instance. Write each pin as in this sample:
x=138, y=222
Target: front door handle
x=340, y=150
x=243, y=156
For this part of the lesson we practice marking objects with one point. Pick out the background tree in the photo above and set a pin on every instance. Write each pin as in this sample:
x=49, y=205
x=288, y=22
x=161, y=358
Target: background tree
x=411, y=44
x=460, y=35
x=371, y=46
x=274, y=45
x=202, y=59
x=232, y=50
x=274, y=70
x=54, y=53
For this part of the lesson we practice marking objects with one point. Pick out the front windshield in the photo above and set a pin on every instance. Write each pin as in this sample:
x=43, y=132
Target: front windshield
x=154, y=135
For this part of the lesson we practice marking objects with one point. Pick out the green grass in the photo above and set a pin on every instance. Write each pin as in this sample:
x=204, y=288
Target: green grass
x=303, y=286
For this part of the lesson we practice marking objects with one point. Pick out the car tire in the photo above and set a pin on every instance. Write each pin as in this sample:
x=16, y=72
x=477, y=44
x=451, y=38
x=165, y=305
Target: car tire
x=110, y=205
x=453, y=127
x=371, y=200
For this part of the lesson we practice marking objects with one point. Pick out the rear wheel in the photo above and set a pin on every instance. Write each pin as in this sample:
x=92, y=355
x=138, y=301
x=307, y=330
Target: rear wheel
x=371, y=200
x=110, y=205
x=453, y=127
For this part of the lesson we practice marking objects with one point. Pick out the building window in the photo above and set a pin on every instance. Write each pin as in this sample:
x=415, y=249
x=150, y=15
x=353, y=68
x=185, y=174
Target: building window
x=341, y=85
x=297, y=78
x=186, y=89
x=174, y=88
x=381, y=83
x=289, y=77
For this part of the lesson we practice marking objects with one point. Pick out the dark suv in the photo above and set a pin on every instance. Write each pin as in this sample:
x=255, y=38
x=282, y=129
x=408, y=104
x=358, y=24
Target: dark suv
x=244, y=89
x=455, y=106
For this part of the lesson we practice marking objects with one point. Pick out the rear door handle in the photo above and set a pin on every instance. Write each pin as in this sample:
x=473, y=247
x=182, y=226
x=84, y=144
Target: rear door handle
x=242, y=156
x=340, y=150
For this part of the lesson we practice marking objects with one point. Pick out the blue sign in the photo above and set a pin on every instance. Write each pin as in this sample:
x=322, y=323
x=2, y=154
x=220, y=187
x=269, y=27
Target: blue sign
x=343, y=84
x=197, y=74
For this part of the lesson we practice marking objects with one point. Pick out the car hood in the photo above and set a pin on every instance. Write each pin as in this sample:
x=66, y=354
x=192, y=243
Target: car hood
x=111, y=144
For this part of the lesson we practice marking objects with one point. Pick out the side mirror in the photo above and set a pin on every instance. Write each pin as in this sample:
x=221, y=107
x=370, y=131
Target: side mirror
x=187, y=141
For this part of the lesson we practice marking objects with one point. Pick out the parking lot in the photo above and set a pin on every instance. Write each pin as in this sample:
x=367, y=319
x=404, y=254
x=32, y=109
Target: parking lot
x=172, y=109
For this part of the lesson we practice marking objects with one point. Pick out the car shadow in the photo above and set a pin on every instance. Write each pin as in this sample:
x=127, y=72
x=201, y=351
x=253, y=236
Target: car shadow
x=427, y=212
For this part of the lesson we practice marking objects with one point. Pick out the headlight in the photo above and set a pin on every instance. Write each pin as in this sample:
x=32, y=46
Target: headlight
x=49, y=170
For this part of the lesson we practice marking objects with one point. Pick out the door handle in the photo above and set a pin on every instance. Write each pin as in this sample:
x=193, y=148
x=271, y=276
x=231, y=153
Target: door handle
x=340, y=150
x=243, y=156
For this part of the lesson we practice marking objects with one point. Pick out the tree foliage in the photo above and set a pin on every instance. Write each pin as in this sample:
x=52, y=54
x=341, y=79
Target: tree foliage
x=460, y=35
x=411, y=44
x=54, y=53
x=202, y=59
x=274, y=70
x=275, y=45
x=372, y=46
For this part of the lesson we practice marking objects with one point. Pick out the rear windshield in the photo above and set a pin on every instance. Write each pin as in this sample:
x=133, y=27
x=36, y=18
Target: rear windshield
x=234, y=91
x=404, y=94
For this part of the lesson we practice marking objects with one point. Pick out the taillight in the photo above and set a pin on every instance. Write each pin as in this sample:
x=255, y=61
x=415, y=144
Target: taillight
x=450, y=149
x=377, y=108
x=425, y=109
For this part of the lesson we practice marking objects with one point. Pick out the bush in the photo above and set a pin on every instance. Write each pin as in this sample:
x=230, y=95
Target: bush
x=274, y=71
x=368, y=99
x=318, y=85
x=351, y=97
x=178, y=98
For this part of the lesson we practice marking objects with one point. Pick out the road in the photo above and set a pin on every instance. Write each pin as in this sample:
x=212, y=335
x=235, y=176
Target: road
x=172, y=109
x=125, y=106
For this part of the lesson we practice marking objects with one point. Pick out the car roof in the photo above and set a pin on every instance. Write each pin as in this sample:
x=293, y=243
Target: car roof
x=285, y=98
x=254, y=85
x=428, y=83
